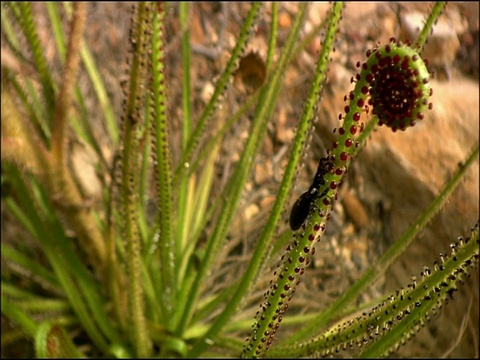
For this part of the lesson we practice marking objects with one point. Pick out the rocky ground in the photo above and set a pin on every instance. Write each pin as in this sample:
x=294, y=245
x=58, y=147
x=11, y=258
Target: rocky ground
x=397, y=174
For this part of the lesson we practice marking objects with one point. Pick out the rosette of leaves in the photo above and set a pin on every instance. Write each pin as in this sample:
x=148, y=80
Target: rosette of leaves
x=114, y=279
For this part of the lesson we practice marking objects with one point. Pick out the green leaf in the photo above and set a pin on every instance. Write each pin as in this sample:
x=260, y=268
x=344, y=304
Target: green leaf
x=51, y=341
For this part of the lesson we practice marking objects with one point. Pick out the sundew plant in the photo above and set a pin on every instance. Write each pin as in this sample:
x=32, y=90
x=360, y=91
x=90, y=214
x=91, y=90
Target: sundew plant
x=124, y=231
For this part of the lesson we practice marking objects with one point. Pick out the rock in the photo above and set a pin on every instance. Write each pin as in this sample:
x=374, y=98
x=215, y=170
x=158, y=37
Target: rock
x=354, y=209
x=406, y=170
x=409, y=168
x=442, y=45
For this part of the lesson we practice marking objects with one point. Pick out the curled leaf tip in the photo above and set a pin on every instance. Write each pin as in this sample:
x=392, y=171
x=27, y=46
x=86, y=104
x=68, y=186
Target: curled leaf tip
x=398, y=84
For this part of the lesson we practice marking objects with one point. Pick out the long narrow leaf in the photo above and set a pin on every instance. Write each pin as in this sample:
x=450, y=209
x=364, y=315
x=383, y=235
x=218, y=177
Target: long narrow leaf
x=266, y=103
x=382, y=264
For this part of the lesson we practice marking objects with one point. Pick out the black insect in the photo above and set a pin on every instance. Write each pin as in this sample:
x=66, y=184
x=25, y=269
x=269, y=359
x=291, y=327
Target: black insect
x=301, y=208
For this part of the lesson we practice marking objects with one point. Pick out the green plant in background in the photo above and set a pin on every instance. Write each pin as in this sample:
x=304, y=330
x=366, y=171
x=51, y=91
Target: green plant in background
x=109, y=280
